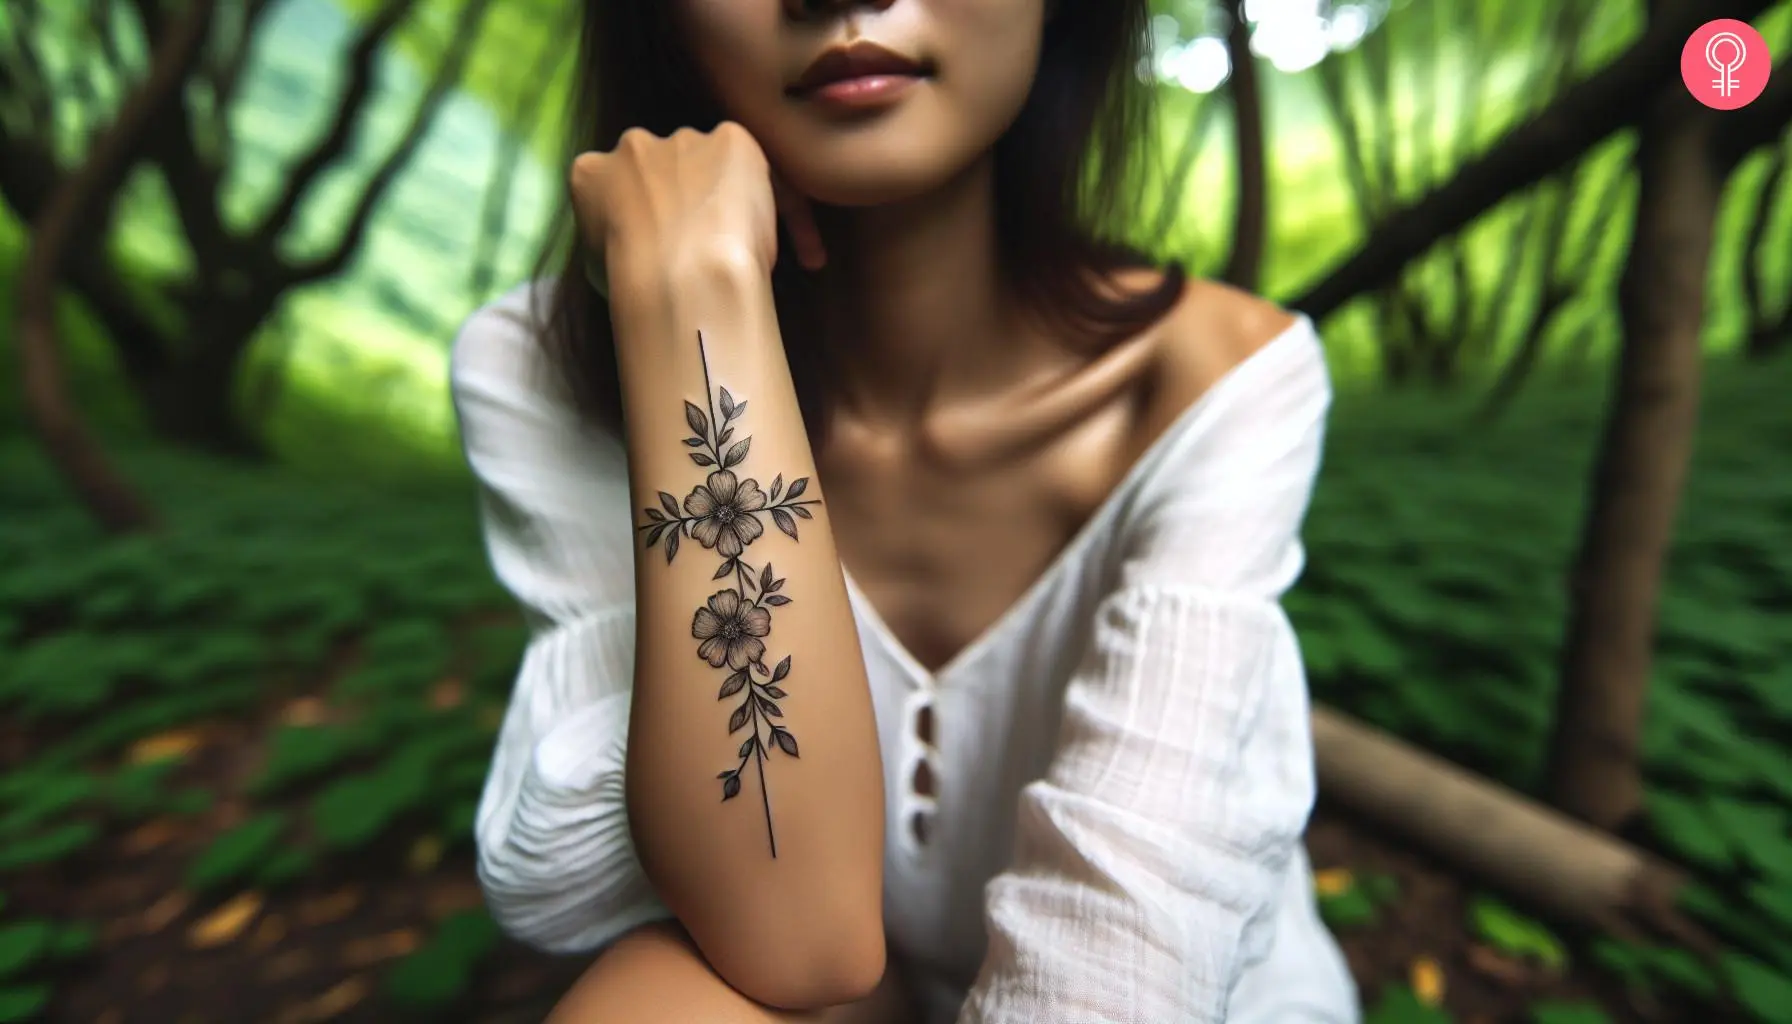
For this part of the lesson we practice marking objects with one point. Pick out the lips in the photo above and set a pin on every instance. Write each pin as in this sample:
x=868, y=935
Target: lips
x=860, y=60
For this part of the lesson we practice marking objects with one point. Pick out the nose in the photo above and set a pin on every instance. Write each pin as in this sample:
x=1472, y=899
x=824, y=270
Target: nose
x=804, y=10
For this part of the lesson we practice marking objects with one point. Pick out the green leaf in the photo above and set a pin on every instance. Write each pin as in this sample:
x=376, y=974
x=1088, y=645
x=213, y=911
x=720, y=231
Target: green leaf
x=1399, y=1005
x=1689, y=828
x=1568, y=1013
x=1516, y=935
x=72, y=941
x=20, y=1003
x=1347, y=910
x=237, y=852
x=435, y=975
x=22, y=943
x=47, y=847
x=1760, y=988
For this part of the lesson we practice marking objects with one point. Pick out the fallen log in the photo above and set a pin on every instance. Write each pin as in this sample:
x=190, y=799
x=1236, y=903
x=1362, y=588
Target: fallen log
x=1559, y=867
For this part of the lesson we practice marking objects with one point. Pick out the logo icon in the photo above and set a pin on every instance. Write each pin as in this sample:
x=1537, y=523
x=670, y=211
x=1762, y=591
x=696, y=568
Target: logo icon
x=1725, y=64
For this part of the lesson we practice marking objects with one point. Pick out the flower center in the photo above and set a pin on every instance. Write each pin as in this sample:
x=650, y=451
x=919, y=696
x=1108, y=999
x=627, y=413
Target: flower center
x=725, y=515
x=731, y=630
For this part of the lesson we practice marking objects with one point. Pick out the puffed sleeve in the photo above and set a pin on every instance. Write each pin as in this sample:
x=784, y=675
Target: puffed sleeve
x=554, y=854
x=1150, y=861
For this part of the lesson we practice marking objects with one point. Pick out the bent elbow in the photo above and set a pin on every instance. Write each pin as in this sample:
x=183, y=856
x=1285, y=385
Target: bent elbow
x=825, y=967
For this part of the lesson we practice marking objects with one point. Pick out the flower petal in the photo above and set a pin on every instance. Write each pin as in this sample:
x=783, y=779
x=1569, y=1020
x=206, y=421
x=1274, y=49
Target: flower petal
x=725, y=603
x=749, y=498
x=747, y=528
x=723, y=485
x=728, y=543
x=699, y=502
x=706, y=624
x=716, y=650
x=755, y=621
x=745, y=651
x=707, y=531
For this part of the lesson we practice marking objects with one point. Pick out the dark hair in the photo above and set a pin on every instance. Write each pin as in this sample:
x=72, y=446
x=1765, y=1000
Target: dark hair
x=1066, y=173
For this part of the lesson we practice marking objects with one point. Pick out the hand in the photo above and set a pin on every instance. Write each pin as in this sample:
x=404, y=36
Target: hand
x=652, y=203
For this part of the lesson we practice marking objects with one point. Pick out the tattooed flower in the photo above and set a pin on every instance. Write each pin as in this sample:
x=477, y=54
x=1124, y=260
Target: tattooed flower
x=730, y=629
x=724, y=512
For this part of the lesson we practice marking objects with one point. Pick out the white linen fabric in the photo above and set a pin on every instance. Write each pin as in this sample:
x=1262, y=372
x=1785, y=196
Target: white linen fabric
x=1123, y=761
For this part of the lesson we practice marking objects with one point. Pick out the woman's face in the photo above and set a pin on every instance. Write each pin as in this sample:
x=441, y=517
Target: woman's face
x=906, y=94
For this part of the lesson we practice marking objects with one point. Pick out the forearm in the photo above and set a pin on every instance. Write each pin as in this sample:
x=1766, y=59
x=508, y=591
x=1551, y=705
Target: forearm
x=753, y=779
x=654, y=974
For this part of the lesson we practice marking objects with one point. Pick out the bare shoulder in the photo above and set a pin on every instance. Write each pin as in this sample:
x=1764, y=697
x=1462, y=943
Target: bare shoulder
x=1211, y=331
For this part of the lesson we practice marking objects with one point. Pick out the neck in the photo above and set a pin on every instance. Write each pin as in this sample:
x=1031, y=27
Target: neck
x=922, y=314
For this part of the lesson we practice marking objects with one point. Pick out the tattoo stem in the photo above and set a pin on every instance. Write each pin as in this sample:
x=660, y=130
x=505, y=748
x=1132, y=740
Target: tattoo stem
x=765, y=796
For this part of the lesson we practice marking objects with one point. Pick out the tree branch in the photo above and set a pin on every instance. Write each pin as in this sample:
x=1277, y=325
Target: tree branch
x=1583, y=116
x=355, y=94
x=65, y=437
x=466, y=32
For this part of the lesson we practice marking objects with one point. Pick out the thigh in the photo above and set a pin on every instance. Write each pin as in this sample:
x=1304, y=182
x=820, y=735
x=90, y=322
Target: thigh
x=655, y=975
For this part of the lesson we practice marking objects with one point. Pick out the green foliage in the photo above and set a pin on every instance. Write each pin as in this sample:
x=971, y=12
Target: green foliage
x=238, y=852
x=1399, y=1005
x=1516, y=935
x=22, y=943
x=20, y=1003
x=1568, y=1013
x=432, y=977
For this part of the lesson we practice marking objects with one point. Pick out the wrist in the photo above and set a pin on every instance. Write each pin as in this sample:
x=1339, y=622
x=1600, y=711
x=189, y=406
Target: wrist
x=656, y=272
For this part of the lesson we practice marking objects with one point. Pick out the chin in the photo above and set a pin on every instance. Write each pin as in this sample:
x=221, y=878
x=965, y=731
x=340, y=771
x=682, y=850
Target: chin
x=861, y=173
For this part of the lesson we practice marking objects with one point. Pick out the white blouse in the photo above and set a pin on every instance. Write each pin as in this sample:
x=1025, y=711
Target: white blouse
x=1123, y=763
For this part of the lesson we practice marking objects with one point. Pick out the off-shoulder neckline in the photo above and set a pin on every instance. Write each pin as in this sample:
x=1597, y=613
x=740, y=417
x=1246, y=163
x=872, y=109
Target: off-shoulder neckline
x=1299, y=337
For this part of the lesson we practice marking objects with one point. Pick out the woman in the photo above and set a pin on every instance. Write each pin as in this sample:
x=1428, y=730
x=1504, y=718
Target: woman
x=1048, y=738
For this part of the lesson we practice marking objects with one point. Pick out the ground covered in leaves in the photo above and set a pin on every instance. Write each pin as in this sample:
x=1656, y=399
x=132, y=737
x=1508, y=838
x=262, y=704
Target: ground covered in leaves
x=238, y=763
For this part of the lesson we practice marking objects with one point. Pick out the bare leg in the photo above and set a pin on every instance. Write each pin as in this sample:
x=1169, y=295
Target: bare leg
x=655, y=975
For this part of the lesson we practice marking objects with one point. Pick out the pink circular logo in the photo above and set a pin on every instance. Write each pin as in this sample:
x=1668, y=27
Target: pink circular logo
x=1725, y=64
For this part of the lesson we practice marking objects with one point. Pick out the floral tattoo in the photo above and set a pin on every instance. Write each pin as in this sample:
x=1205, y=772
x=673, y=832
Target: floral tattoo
x=726, y=514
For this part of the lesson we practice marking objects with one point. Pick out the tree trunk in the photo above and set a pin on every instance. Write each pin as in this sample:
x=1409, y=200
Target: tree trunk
x=66, y=215
x=1244, y=265
x=192, y=402
x=1594, y=766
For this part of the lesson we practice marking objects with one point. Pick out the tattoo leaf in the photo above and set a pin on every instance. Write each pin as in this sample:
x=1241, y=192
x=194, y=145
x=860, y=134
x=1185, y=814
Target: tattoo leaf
x=783, y=668
x=747, y=745
x=723, y=437
x=776, y=692
x=777, y=600
x=738, y=720
x=802, y=513
x=733, y=685
x=727, y=405
x=671, y=546
x=785, y=741
x=694, y=442
x=699, y=422
x=669, y=503
x=656, y=515
x=731, y=785
x=725, y=568
x=701, y=459
x=737, y=454
x=797, y=487
x=768, y=707
x=777, y=485
x=785, y=523
x=740, y=409
x=765, y=577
